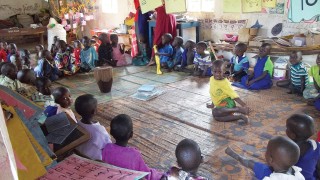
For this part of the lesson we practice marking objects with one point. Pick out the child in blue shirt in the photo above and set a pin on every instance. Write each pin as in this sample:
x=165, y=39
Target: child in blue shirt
x=88, y=56
x=178, y=51
x=300, y=127
x=239, y=62
x=165, y=53
x=281, y=156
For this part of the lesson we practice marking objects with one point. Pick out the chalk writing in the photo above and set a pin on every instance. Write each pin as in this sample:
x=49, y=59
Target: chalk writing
x=75, y=167
x=223, y=24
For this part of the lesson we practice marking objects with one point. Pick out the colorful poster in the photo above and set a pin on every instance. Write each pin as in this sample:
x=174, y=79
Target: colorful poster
x=279, y=9
x=304, y=10
x=76, y=167
x=232, y=6
x=269, y=3
x=175, y=6
x=149, y=5
x=251, y=6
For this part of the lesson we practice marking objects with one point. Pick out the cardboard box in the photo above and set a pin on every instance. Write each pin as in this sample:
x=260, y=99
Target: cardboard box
x=253, y=31
x=313, y=39
x=255, y=43
x=244, y=35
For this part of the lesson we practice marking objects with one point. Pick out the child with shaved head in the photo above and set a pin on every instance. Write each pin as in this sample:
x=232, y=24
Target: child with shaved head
x=281, y=156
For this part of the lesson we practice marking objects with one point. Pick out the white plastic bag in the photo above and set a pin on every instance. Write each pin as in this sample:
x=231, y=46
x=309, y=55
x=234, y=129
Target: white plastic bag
x=57, y=30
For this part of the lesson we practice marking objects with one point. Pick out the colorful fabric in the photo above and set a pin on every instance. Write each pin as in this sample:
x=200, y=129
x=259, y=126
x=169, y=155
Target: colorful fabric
x=296, y=72
x=134, y=44
x=3, y=55
x=42, y=100
x=63, y=62
x=240, y=63
x=11, y=84
x=129, y=158
x=167, y=49
x=177, y=56
x=227, y=103
x=77, y=52
x=99, y=139
x=263, y=64
x=261, y=170
x=315, y=73
x=308, y=161
x=202, y=61
x=142, y=59
x=118, y=56
x=27, y=90
x=220, y=90
x=176, y=173
x=88, y=58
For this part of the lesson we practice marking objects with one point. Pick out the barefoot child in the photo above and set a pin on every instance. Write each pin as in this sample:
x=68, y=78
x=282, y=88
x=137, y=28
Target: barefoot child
x=117, y=51
x=88, y=56
x=239, y=62
x=86, y=107
x=178, y=51
x=263, y=70
x=312, y=92
x=202, y=60
x=188, y=55
x=281, y=156
x=166, y=51
x=77, y=50
x=120, y=154
x=189, y=158
x=105, y=51
x=223, y=97
x=300, y=128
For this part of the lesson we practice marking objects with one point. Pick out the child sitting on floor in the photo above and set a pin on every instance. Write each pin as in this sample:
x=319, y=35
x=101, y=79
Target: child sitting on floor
x=223, y=97
x=178, y=51
x=300, y=128
x=239, y=62
x=25, y=58
x=311, y=93
x=54, y=47
x=188, y=55
x=1, y=75
x=141, y=59
x=14, y=56
x=96, y=43
x=39, y=48
x=120, y=154
x=43, y=97
x=10, y=81
x=88, y=56
x=63, y=59
x=281, y=156
x=189, y=158
x=105, y=51
x=117, y=51
x=3, y=52
x=77, y=50
x=27, y=79
x=86, y=107
x=263, y=71
x=166, y=51
x=202, y=61
x=63, y=100
x=298, y=75
x=46, y=67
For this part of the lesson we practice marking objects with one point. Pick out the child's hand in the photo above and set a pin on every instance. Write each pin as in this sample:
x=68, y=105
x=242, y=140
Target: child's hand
x=210, y=105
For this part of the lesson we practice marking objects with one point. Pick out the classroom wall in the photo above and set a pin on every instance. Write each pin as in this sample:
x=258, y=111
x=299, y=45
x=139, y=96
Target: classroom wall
x=12, y=7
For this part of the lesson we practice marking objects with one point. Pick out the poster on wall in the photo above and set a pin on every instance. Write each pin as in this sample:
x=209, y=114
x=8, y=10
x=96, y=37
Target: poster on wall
x=175, y=6
x=304, y=10
x=269, y=3
x=251, y=6
x=279, y=9
x=232, y=6
x=149, y=5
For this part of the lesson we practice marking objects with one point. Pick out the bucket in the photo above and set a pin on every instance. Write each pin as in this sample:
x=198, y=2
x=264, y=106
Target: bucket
x=280, y=70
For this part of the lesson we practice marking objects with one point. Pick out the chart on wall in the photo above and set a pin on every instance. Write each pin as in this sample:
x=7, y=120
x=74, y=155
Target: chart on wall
x=149, y=5
x=304, y=10
x=251, y=6
x=232, y=6
x=175, y=6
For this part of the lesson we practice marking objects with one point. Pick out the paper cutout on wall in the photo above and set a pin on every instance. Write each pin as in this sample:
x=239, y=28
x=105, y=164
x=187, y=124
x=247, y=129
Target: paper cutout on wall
x=269, y=3
x=149, y=5
x=224, y=25
x=251, y=6
x=279, y=9
x=175, y=6
x=304, y=10
x=232, y=6
x=76, y=167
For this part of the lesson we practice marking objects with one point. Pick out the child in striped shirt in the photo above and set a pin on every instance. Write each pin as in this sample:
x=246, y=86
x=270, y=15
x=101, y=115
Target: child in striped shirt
x=202, y=60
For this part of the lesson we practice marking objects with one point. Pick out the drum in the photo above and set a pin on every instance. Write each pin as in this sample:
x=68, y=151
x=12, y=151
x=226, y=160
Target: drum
x=103, y=76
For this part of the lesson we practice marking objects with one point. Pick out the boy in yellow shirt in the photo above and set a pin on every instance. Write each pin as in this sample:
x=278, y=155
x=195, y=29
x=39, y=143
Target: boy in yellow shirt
x=223, y=97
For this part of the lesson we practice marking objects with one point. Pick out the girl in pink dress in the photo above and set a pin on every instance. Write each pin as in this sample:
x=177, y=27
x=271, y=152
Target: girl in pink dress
x=117, y=51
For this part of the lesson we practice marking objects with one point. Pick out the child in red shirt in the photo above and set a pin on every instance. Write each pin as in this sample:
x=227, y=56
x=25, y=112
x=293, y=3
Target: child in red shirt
x=76, y=51
x=3, y=52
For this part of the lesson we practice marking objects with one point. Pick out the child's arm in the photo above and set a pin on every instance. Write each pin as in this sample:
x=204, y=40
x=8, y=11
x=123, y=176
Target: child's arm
x=243, y=160
x=303, y=83
x=213, y=51
x=258, y=78
x=122, y=46
x=163, y=54
x=238, y=100
x=204, y=71
x=316, y=84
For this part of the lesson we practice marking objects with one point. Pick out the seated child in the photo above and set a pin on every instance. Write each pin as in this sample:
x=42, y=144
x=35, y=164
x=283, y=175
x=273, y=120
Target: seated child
x=63, y=100
x=120, y=154
x=117, y=51
x=298, y=74
x=27, y=79
x=63, y=59
x=263, y=71
x=281, y=156
x=88, y=56
x=188, y=54
x=312, y=92
x=3, y=52
x=54, y=47
x=300, y=128
x=178, y=51
x=14, y=56
x=105, y=51
x=77, y=50
x=39, y=48
x=141, y=59
x=43, y=97
x=1, y=75
x=96, y=43
x=239, y=62
x=9, y=71
x=86, y=107
x=166, y=51
x=46, y=67
x=189, y=158
x=202, y=60
x=25, y=57
x=223, y=97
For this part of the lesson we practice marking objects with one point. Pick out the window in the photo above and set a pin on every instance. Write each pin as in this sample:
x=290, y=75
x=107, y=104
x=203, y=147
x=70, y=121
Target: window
x=200, y=5
x=109, y=6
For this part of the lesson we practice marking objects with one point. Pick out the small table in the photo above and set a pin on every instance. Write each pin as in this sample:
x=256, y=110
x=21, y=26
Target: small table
x=14, y=32
x=180, y=27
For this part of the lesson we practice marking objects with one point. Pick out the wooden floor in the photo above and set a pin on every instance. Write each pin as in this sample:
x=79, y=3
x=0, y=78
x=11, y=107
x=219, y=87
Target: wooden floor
x=181, y=112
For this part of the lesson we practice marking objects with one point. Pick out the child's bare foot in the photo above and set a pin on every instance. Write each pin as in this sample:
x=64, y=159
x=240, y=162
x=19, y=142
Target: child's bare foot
x=244, y=120
x=244, y=110
x=229, y=151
